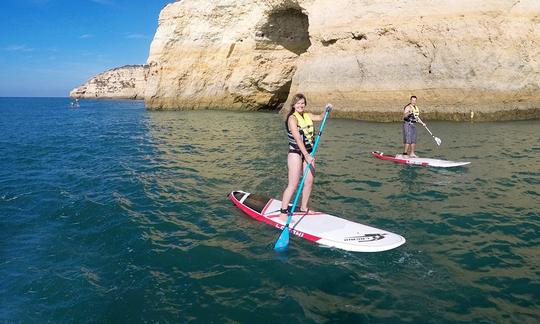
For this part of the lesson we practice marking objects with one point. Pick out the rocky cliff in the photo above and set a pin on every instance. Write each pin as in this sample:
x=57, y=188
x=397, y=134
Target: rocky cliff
x=459, y=57
x=126, y=82
x=456, y=56
x=367, y=57
x=225, y=54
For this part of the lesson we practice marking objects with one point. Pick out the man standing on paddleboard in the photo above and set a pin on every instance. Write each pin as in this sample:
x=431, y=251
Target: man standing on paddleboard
x=411, y=115
x=300, y=132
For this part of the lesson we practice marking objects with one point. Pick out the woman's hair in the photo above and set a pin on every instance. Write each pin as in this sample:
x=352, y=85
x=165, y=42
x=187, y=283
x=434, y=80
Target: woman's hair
x=297, y=97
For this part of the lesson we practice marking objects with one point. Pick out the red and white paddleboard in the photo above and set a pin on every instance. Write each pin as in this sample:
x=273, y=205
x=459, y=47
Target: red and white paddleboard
x=318, y=227
x=419, y=161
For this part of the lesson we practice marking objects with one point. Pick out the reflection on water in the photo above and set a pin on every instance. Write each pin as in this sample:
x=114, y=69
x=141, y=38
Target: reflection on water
x=463, y=225
x=126, y=210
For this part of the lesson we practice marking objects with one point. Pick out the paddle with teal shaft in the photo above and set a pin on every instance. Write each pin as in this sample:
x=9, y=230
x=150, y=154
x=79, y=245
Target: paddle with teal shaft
x=283, y=241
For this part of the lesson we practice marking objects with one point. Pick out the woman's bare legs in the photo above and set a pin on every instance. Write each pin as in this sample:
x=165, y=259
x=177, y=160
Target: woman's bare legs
x=308, y=185
x=294, y=163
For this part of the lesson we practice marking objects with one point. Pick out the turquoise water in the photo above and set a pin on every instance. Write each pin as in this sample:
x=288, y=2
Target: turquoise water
x=111, y=213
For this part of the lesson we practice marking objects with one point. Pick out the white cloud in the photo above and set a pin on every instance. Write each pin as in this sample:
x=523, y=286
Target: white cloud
x=18, y=48
x=86, y=36
x=135, y=36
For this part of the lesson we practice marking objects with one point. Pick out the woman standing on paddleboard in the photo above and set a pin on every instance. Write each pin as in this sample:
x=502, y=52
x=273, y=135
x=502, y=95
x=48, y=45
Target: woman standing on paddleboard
x=300, y=132
x=411, y=115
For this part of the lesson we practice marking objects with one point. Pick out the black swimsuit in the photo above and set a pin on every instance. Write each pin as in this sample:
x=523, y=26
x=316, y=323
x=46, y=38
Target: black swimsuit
x=297, y=151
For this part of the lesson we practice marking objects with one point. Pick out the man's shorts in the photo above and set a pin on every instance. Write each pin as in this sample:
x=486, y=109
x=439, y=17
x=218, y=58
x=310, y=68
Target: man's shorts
x=409, y=133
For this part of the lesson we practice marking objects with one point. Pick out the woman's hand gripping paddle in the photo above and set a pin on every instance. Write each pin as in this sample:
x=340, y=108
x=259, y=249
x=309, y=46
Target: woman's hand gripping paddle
x=283, y=241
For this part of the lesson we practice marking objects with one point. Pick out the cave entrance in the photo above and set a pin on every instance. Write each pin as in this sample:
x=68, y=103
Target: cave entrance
x=279, y=97
x=289, y=28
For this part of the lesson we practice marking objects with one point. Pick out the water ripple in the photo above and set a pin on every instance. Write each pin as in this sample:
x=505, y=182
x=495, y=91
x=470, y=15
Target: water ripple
x=124, y=209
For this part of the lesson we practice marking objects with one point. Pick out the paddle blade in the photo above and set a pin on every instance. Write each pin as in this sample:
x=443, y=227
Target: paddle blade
x=328, y=107
x=283, y=241
x=437, y=140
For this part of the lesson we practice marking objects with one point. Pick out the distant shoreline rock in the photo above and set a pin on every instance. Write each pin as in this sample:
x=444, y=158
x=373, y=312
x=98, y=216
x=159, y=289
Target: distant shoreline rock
x=126, y=82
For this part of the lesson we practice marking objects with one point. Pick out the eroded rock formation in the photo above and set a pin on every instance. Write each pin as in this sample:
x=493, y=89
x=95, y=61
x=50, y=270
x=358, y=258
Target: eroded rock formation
x=458, y=56
x=126, y=82
x=225, y=54
x=367, y=57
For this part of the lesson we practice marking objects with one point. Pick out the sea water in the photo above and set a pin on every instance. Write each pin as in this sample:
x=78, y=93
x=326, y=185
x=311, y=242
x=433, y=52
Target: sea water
x=112, y=213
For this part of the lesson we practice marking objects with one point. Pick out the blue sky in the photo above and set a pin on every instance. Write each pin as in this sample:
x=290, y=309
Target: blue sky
x=48, y=47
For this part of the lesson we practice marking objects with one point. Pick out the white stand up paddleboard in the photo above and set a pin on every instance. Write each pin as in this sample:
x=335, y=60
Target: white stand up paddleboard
x=419, y=161
x=318, y=227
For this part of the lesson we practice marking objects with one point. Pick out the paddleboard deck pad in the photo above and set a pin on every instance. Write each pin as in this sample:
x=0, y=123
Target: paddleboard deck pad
x=419, y=161
x=318, y=227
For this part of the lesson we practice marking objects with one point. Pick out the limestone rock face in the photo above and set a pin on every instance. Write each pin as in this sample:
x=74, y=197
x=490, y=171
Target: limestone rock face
x=365, y=56
x=457, y=56
x=126, y=82
x=228, y=54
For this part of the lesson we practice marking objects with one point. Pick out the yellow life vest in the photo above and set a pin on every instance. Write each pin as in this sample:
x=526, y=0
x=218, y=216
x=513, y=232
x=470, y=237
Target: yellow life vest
x=415, y=111
x=306, y=125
